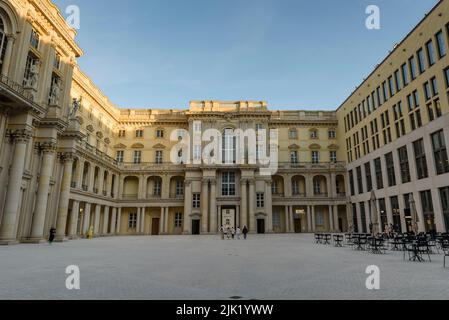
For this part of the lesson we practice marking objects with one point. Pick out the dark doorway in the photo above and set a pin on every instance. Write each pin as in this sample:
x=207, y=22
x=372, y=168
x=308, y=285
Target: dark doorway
x=297, y=225
x=260, y=226
x=155, y=227
x=340, y=224
x=196, y=227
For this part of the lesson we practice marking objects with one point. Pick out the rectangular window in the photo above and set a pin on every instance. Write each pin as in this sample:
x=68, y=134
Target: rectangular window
x=260, y=200
x=384, y=91
x=196, y=200
x=159, y=157
x=333, y=156
x=391, y=86
x=293, y=134
x=34, y=39
x=159, y=133
x=404, y=164
x=420, y=159
x=119, y=156
x=440, y=152
x=379, y=96
x=137, y=157
x=434, y=86
x=412, y=65
x=315, y=157
x=421, y=61
x=441, y=45
x=355, y=222
x=394, y=202
x=397, y=79
x=139, y=133
x=132, y=221
x=157, y=188
x=122, y=133
x=351, y=182
x=446, y=77
x=430, y=53
x=363, y=216
x=332, y=134
x=359, y=179
x=228, y=184
x=369, y=181
x=404, y=74
x=390, y=169
x=427, y=94
x=444, y=196
x=294, y=157
x=179, y=188
x=427, y=210
x=178, y=220
x=378, y=172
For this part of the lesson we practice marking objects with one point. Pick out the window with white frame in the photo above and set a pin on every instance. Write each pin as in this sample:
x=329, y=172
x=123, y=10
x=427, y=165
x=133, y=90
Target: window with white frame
x=274, y=187
x=158, y=156
x=197, y=152
x=121, y=133
x=132, y=221
x=34, y=39
x=332, y=134
x=293, y=134
x=295, y=187
x=179, y=188
x=314, y=134
x=137, y=158
x=315, y=157
x=294, y=157
x=228, y=183
x=157, y=188
x=228, y=146
x=276, y=220
x=333, y=156
x=317, y=186
x=139, y=133
x=260, y=200
x=30, y=63
x=196, y=200
x=119, y=156
x=319, y=219
x=178, y=220
x=159, y=133
x=57, y=61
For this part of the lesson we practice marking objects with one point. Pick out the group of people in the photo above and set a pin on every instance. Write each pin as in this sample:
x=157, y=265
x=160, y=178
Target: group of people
x=232, y=233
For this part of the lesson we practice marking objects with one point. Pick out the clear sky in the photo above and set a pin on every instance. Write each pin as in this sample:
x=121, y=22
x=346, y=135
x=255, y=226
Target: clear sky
x=294, y=54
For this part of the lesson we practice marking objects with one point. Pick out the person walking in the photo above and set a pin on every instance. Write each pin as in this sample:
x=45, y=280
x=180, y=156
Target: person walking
x=51, y=238
x=228, y=233
x=233, y=233
x=245, y=232
x=237, y=232
x=222, y=232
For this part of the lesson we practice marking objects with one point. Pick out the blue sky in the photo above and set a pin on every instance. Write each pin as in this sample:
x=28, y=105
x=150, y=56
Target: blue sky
x=294, y=54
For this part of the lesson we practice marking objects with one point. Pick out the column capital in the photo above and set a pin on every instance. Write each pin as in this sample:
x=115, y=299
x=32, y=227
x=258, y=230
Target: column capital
x=21, y=135
x=205, y=181
x=11, y=37
x=66, y=157
x=244, y=181
x=46, y=147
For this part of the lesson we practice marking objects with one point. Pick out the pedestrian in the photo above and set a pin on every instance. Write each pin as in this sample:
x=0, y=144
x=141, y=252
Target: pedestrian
x=90, y=233
x=237, y=232
x=228, y=233
x=222, y=232
x=51, y=238
x=245, y=232
x=233, y=233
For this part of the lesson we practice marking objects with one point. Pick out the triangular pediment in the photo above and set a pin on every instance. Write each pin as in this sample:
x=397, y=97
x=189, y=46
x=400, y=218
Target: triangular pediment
x=120, y=146
x=333, y=147
x=137, y=146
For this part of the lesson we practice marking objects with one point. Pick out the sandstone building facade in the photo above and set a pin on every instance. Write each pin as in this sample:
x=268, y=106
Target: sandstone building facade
x=72, y=160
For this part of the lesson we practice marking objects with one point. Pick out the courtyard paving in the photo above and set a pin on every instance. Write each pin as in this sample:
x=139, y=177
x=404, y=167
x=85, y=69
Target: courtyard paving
x=189, y=267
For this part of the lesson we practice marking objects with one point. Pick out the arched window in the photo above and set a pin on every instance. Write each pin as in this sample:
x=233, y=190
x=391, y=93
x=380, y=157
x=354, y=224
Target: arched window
x=3, y=42
x=228, y=146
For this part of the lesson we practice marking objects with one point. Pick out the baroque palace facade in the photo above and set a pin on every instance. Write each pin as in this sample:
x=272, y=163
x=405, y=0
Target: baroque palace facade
x=72, y=160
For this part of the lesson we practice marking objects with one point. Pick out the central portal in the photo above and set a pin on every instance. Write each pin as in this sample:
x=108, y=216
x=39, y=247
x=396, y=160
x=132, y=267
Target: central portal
x=228, y=218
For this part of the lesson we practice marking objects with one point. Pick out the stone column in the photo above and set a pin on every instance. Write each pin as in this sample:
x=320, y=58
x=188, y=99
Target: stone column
x=166, y=220
x=78, y=173
x=204, y=206
x=287, y=219
x=331, y=219
x=74, y=219
x=86, y=218
x=10, y=214
x=313, y=219
x=268, y=207
x=48, y=154
x=64, y=196
x=292, y=222
x=237, y=217
x=243, y=203
x=119, y=221
x=105, y=220
x=113, y=226
x=8, y=55
x=97, y=219
x=138, y=221
x=336, y=224
x=142, y=220
x=188, y=207
x=309, y=220
x=213, y=207
x=161, y=221
x=252, y=203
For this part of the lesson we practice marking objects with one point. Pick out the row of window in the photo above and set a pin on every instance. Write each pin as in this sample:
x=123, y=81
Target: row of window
x=314, y=134
x=440, y=160
x=132, y=220
x=433, y=107
x=424, y=58
x=426, y=205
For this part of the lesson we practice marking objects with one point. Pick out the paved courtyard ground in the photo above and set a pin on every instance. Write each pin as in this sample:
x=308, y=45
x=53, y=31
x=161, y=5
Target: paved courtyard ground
x=170, y=267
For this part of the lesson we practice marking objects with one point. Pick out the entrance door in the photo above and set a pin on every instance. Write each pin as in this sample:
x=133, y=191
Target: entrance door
x=228, y=218
x=340, y=224
x=298, y=226
x=260, y=226
x=155, y=227
x=196, y=227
